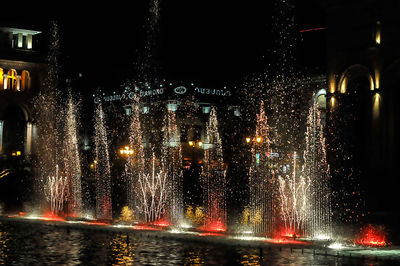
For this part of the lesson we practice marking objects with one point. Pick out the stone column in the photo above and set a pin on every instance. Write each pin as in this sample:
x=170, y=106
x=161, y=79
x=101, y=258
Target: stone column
x=18, y=83
x=5, y=76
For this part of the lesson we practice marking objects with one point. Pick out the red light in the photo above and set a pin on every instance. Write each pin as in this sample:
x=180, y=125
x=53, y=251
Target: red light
x=371, y=236
x=216, y=226
x=162, y=223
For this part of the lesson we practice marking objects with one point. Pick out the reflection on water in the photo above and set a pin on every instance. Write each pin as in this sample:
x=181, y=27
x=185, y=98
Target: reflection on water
x=33, y=244
x=122, y=250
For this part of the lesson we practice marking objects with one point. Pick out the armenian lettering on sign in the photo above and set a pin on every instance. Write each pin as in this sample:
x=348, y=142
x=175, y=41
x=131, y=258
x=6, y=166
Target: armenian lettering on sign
x=217, y=92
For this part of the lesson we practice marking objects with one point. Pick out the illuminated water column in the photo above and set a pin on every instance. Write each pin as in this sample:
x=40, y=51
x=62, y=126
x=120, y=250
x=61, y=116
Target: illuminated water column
x=28, y=142
x=261, y=179
x=213, y=178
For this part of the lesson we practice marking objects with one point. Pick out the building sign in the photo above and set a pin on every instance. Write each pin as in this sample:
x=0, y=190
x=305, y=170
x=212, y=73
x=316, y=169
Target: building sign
x=144, y=93
x=180, y=90
x=129, y=95
x=115, y=97
x=216, y=92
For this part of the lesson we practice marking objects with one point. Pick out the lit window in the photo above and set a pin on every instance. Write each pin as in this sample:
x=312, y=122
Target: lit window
x=172, y=107
x=25, y=80
x=321, y=101
x=1, y=78
x=145, y=110
x=11, y=79
x=206, y=109
x=236, y=111
x=128, y=110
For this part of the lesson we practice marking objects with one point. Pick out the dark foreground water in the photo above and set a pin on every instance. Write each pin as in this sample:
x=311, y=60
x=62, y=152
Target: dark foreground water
x=42, y=244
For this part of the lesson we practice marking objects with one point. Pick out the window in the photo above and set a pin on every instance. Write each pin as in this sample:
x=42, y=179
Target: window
x=321, y=101
x=145, y=110
x=25, y=80
x=206, y=109
x=1, y=79
x=11, y=79
x=172, y=106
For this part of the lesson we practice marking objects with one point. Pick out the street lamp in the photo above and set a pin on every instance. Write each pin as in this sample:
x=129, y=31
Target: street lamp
x=126, y=151
x=256, y=139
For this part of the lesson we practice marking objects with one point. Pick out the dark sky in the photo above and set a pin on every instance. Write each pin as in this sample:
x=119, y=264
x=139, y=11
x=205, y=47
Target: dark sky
x=205, y=41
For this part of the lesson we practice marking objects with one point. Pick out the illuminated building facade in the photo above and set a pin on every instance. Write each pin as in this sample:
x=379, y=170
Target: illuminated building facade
x=191, y=103
x=21, y=76
x=363, y=63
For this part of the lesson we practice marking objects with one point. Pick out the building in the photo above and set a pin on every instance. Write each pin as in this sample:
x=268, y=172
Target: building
x=363, y=70
x=21, y=77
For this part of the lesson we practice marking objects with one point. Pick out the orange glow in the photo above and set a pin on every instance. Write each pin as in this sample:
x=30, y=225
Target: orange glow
x=332, y=84
x=145, y=227
x=376, y=105
x=191, y=143
x=258, y=139
x=97, y=223
x=286, y=241
x=377, y=79
x=210, y=234
x=162, y=223
x=343, y=86
x=126, y=151
x=248, y=140
x=372, y=236
x=333, y=102
x=216, y=226
x=49, y=216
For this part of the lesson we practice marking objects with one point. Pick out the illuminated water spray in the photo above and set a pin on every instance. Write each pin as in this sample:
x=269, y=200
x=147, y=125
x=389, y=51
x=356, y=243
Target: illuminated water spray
x=213, y=177
x=316, y=169
x=57, y=185
x=102, y=166
x=72, y=162
x=262, y=179
x=50, y=183
x=153, y=193
x=135, y=165
x=172, y=165
x=293, y=196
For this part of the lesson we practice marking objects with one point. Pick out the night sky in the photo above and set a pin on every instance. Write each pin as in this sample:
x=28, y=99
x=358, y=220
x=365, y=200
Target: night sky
x=200, y=41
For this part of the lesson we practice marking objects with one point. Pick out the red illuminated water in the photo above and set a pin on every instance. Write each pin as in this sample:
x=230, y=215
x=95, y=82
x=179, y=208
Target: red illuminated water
x=216, y=226
x=372, y=236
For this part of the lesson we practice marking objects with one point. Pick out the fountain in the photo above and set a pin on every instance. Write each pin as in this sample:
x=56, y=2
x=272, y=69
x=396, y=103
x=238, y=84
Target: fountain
x=316, y=170
x=288, y=178
x=172, y=164
x=214, y=178
x=72, y=162
x=59, y=179
x=262, y=179
x=102, y=166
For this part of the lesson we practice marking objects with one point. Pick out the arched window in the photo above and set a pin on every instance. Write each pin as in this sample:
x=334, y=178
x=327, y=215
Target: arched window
x=11, y=79
x=25, y=80
x=1, y=79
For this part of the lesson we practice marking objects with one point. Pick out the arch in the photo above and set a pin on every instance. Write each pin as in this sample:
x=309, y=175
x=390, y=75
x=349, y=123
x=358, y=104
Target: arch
x=354, y=72
x=320, y=99
x=25, y=80
x=14, y=129
x=11, y=79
